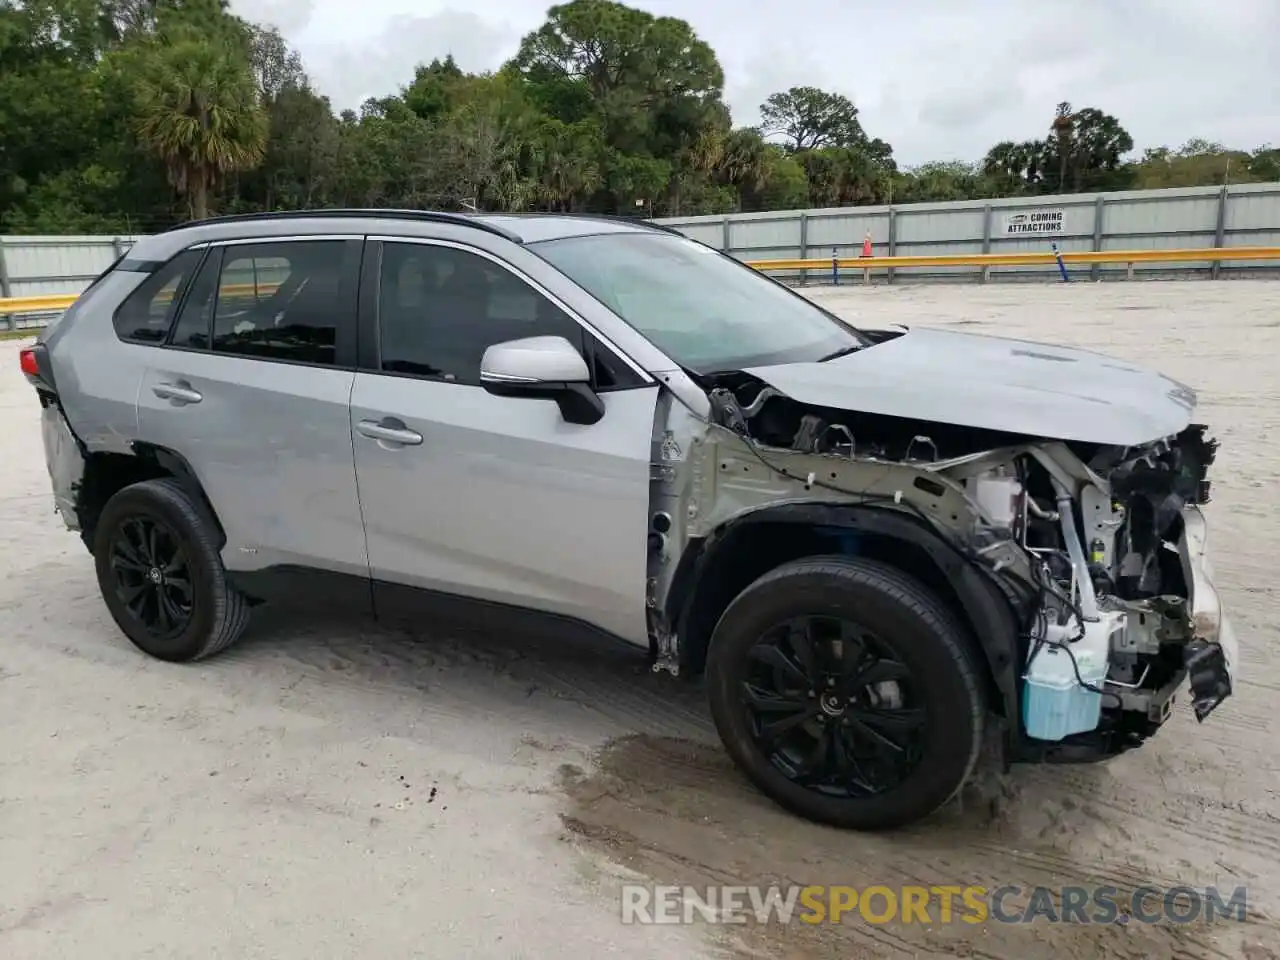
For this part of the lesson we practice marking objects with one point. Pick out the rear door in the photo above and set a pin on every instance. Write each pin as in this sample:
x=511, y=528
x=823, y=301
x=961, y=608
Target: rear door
x=488, y=497
x=252, y=388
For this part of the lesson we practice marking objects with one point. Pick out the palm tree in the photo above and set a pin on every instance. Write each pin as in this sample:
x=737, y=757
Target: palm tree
x=743, y=159
x=706, y=152
x=1063, y=129
x=566, y=162
x=1016, y=166
x=199, y=111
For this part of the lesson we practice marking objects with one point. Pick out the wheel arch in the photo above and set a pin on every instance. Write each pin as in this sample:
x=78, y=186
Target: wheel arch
x=178, y=467
x=714, y=570
x=105, y=474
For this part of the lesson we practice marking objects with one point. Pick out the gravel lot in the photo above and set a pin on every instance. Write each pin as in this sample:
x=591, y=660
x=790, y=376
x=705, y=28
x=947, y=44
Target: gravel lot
x=340, y=790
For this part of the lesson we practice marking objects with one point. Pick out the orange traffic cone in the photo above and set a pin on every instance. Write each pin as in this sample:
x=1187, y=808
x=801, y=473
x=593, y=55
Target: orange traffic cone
x=866, y=244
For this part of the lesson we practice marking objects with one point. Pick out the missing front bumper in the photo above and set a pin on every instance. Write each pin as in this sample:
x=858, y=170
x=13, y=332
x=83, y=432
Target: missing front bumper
x=1209, y=674
x=1211, y=658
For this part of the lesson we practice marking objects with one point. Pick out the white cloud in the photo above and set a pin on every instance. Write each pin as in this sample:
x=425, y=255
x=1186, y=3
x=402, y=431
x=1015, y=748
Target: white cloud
x=936, y=79
x=384, y=62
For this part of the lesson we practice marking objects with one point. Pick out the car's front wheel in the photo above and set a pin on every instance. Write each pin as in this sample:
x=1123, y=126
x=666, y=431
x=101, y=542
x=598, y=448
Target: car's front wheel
x=161, y=576
x=846, y=692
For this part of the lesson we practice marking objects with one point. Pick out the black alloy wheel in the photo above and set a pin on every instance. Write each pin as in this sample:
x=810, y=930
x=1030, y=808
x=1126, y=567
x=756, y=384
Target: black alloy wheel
x=152, y=575
x=157, y=553
x=847, y=692
x=834, y=707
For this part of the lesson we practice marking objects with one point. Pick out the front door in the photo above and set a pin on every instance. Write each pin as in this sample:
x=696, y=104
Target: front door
x=252, y=389
x=487, y=497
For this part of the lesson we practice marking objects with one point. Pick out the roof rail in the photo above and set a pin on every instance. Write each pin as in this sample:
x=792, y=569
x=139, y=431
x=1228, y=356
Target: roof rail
x=605, y=217
x=651, y=224
x=428, y=216
x=665, y=228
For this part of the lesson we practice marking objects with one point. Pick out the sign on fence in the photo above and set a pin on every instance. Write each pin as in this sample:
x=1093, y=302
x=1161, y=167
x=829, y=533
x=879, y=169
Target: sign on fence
x=1034, y=223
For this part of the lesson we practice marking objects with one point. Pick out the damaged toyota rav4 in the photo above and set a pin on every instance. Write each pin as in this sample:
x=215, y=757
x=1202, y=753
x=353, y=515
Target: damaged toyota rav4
x=881, y=549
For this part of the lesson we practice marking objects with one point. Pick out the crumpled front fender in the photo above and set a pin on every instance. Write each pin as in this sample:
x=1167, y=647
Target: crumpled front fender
x=989, y=610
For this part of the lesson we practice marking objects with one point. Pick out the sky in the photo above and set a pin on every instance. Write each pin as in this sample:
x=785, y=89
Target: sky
x=938, y=80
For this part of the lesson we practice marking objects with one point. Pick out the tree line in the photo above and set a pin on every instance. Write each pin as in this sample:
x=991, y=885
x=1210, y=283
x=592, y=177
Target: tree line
x=122, y=116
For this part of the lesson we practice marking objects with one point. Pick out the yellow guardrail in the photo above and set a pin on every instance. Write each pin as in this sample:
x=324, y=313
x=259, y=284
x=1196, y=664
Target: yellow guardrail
x=50, y=304
x=1045, y=258
x=56, y=303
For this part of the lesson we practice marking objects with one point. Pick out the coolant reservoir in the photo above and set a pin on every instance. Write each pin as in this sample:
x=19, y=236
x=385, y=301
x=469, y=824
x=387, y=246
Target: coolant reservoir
x=999, y=498
x=1055, y=703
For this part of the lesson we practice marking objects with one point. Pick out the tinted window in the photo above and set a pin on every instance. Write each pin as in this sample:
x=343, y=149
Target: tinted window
x=706, y=311
x=146, y=314
x=196, y=319
x=439, y=309
x=280, y=301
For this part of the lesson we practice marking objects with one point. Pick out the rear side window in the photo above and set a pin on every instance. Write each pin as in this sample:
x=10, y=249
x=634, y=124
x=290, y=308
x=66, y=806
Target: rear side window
x=192, y=331
x=280, y=301
x=147, y=313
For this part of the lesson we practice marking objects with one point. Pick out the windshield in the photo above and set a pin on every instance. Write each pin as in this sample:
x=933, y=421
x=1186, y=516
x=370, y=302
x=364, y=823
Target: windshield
x=706, y=311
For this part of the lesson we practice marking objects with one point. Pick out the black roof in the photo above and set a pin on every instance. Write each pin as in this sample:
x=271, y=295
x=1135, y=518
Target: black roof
x=533, y=227
x=432, y=216
x=517, y=227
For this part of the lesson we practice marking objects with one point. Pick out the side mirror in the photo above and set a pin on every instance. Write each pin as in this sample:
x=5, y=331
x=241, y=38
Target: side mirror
x=547, y=367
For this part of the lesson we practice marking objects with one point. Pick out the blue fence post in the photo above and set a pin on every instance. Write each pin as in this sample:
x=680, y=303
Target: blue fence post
x=1062, y=267
x=835, y=268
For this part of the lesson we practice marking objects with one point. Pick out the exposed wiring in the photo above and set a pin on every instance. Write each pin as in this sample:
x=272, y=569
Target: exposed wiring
x=1079, y=679
x=1048, y=588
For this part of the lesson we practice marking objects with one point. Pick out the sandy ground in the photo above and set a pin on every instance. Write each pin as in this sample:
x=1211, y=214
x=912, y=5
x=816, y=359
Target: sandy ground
x=341, y=790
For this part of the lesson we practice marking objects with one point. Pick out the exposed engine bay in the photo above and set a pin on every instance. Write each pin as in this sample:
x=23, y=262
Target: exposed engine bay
x=1096, y=547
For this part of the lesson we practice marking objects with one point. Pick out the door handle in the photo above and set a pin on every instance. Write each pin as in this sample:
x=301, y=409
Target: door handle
x=180, y=393
x=389, y=430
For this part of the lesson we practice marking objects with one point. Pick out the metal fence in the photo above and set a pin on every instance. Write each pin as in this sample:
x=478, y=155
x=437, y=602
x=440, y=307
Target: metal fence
x=1178, y=218
x=33, y=266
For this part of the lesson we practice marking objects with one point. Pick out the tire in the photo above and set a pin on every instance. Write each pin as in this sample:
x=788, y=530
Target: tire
x=210, y=613
x=934, y=702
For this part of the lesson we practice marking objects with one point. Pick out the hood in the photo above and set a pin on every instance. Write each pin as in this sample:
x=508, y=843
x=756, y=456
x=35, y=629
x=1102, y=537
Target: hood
x=1017, y=386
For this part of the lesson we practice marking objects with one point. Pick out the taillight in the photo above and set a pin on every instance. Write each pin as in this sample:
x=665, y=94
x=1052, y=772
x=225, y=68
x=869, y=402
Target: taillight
x=34, y=361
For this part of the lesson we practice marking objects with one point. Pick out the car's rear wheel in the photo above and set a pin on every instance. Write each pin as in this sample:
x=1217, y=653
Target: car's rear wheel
x=846, y=692
x=161, y=576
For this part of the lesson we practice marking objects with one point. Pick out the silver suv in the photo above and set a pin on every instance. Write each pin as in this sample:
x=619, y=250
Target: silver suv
x=878, y=545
